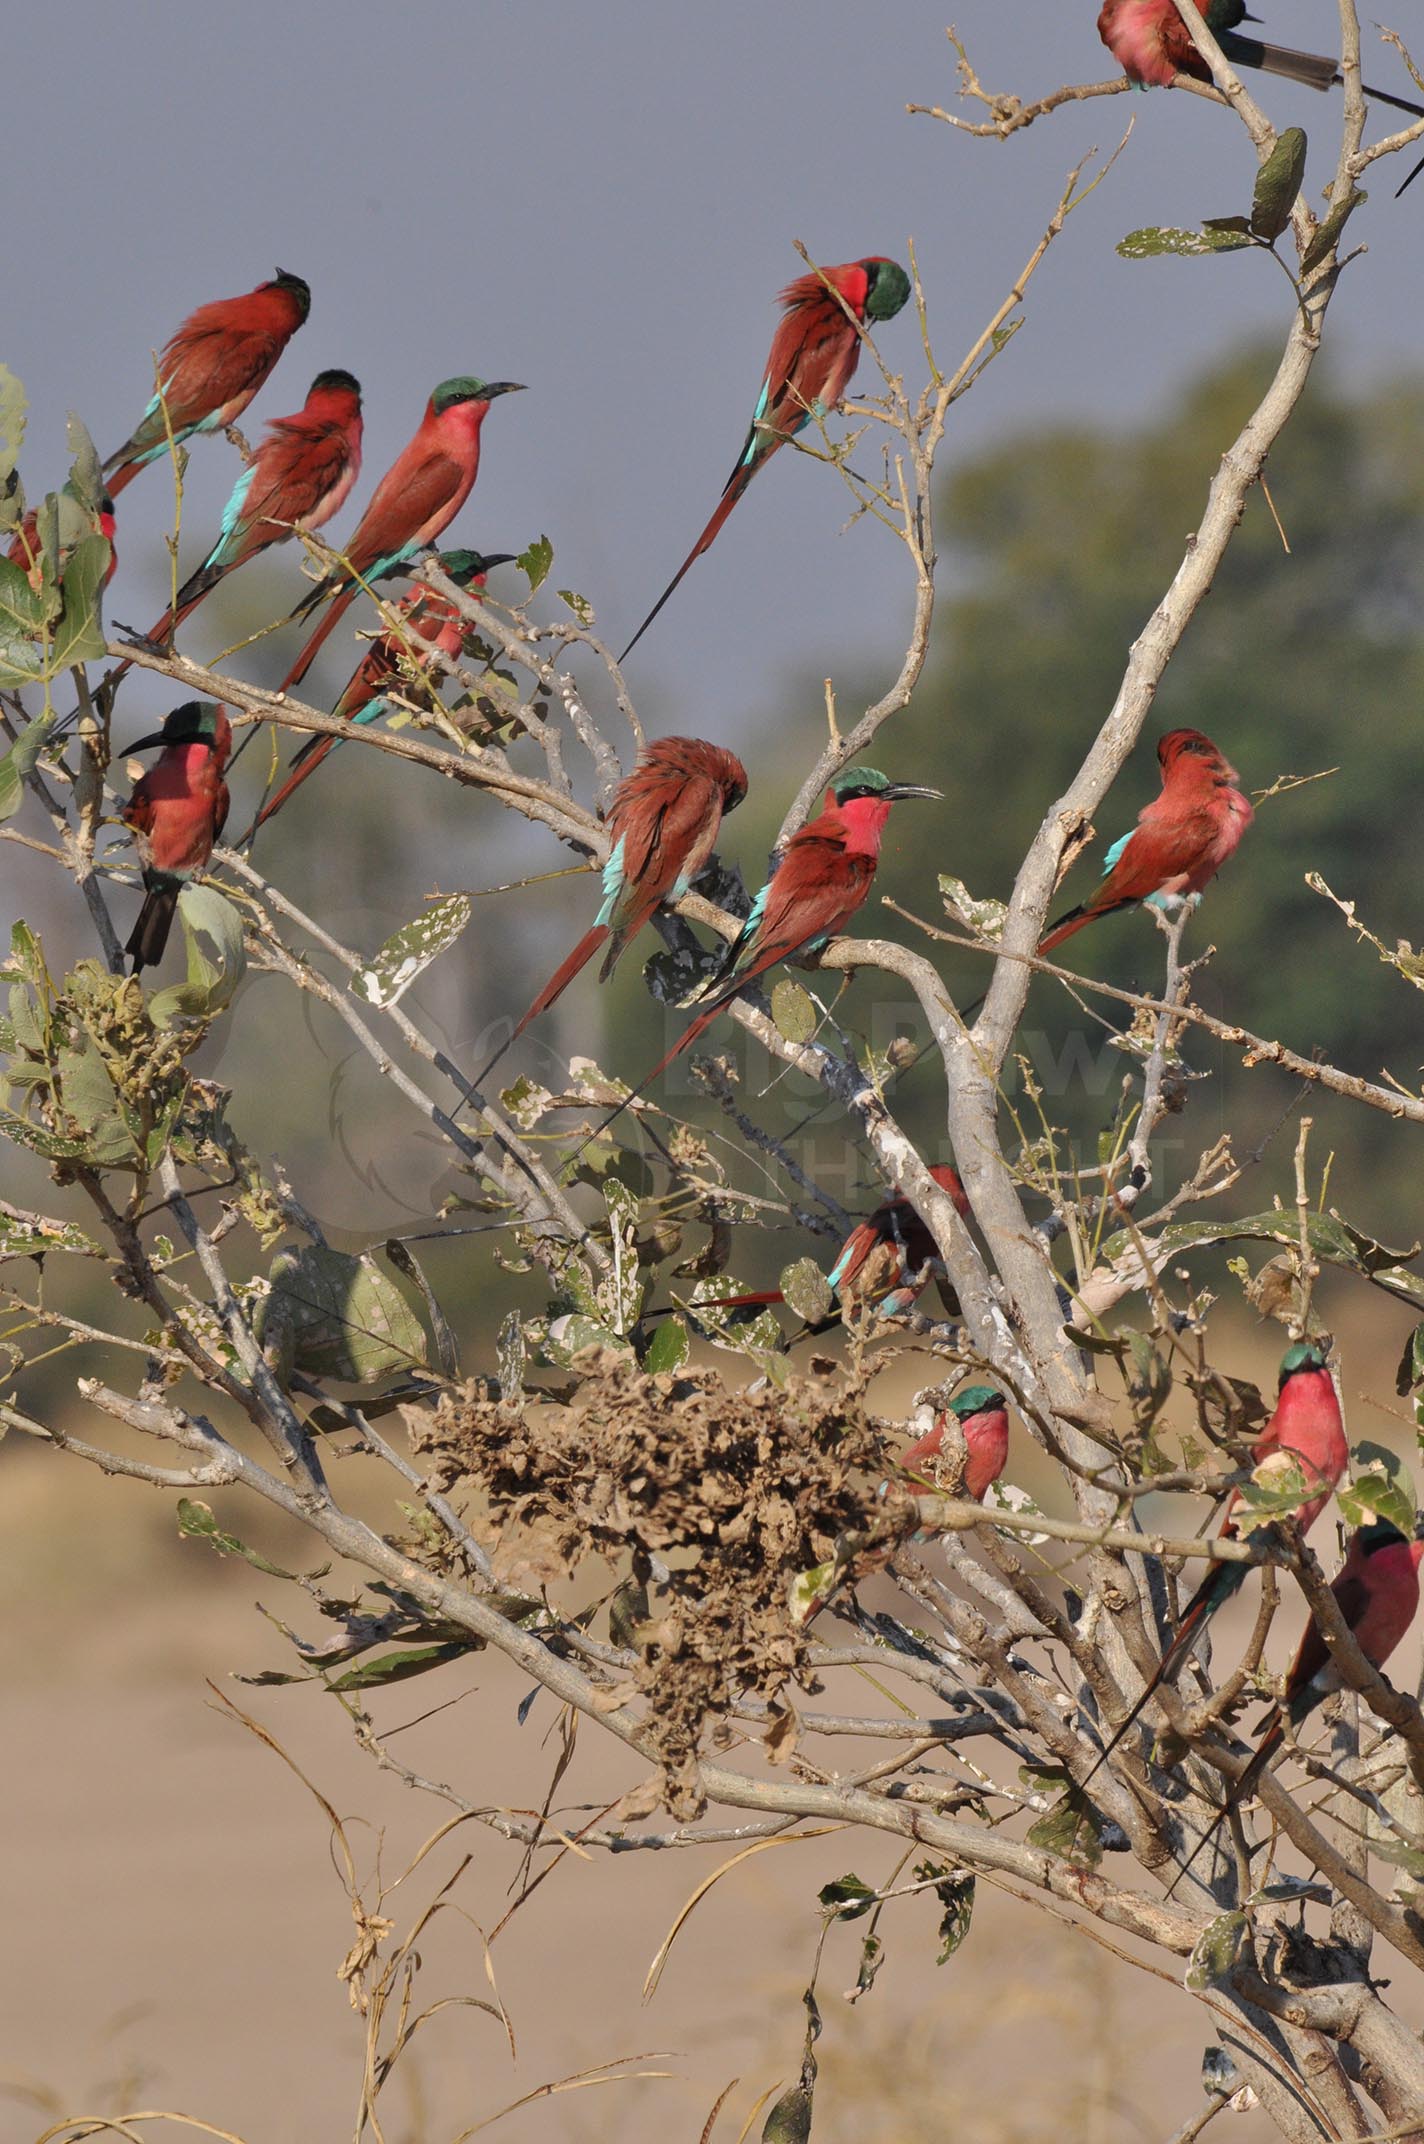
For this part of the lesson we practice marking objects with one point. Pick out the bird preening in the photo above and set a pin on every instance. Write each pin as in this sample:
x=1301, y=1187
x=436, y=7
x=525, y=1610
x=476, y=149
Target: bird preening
x=813, y=356
x=1152, y=45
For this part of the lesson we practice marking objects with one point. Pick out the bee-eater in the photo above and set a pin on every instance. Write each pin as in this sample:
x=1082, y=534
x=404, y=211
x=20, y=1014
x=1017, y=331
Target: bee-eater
x=982, y=1415
x=663, y=825
x=884, y=1265
x=211, y=368
x=1152, y=45
x=813, y=355
x=300, y=476
x=77, y=521
x=429, y=627
x=1306, y=1425
x=1181, y=840
x=177, y=812
x=1377, y=1589
x=415, y=501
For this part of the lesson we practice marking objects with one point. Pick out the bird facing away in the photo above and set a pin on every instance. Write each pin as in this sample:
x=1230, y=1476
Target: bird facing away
x=177, y=812
x=813, y=355
x=300, y=476
x=884, y=1264
x=1152, y=45
x=1306, y=1426
x=428, y=628
x=211, y=367
x=663, y=826
x=414, y=503
x=1181, y=840
x=1377, y=1591
x=982, y=1415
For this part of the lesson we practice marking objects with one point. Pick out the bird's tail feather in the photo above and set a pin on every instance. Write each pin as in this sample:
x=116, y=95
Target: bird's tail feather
x=737, y=484
x=1311, y=68
x=149, y=935
x=1218, y=1585
x=557, y=984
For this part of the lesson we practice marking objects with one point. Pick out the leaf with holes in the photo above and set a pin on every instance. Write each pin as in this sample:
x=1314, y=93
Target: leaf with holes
x=536, y=561
x=1156, y=240
x=984, y=917
x=335, y=1315
x=408, y=952
x=1379, y=1488
x=955, y=1892
x=847, y=1898
x=807, y=1291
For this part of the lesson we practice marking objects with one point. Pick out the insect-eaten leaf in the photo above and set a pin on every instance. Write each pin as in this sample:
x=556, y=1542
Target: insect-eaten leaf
x=955, y=1892
x=536, y=561
x=579, y=605
x=1070, y=1829
x=1216, y=1951
x=807, y=1291
x=1278, y=182
x=1155, y=240
x=847, y=1898
x=984, y=917
x=408, y=952
x=1379, y=1488
x=333, y=1314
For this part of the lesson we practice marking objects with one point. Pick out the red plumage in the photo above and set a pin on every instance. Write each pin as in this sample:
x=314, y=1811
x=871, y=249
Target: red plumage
x=813, y=355
x=986, y=1447
x=212, y=366
x=1182, y=839
x=177, y=812
x=415, y=501
x=300, y=476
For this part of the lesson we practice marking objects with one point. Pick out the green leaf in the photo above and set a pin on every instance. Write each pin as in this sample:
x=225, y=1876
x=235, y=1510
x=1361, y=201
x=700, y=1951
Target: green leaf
x=1411, y=1363
x=206, y=915
x=199, y=1524
x=86, y=471
x=955, y=1892
x=668, y=1349
x=20, y=758
x=536, y=561
x=1154, y=240
x=1285, y=1487
x=794, y=1011
x=807, y=1291
x=1216, y=1951
x=32, y=1239
x=13, y=407
x=408, y=952
x=1332, y=1240
x=399, y=1667
x=79, y=631
x=847, y=1898
x=1277, y=183
x=1379, y=1488
x=579, y=605
x=447, y=1352
x=985, y=917
x=789, y=2121
x=335, y=1315
x=1328, y=236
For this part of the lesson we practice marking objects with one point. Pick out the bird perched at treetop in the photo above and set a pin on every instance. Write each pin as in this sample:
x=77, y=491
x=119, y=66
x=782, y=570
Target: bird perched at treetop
x=1152, y=45
x=1181, y=840
x=813, y=355
x=211, y=367
x=177, y=812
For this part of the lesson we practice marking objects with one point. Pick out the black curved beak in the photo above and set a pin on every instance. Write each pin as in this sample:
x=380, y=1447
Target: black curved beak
x=502, y=387
x=897, y=791
x=144, y=744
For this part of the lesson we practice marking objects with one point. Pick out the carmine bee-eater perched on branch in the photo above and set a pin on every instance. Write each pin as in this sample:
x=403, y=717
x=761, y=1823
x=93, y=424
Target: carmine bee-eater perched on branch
x=885, y=1263
x=982, y=1415
x=177, y=812
x=1152, y=45
x=429, y=627
x=813, y=355
x=1306, y=1427
x=211, y=367
x=1377, y=1589
x=823, y=876
x=299, y=477
x=1181, y=840
x=663, y=825
x=415, y=501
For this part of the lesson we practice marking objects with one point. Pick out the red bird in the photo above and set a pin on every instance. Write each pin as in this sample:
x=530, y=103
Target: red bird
x=429, y=628
x=884, y=1265
x=300, y=476
x=1181, y=840
x=211, y=368
x=813, y=354
x=417, y=498
x=76, y=521
x=1307, y=1425
x=1377, y=1589
x=1152, y=45
x=177, y=812
x=982, y=1415
x=663, y=825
